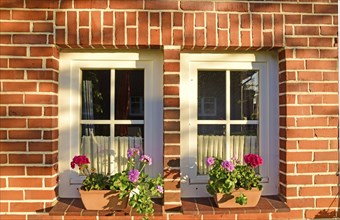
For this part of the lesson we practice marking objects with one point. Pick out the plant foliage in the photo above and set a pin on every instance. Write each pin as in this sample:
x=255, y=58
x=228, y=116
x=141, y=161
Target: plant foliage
x=225, y=176
x=132, y=182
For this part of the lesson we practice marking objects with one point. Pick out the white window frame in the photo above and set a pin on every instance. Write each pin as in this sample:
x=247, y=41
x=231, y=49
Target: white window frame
x=194, y=185
x=71, y=65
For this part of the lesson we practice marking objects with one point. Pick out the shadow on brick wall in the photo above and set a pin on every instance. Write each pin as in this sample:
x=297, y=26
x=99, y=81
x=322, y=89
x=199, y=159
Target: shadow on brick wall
x=326, y=214
x=330, y=212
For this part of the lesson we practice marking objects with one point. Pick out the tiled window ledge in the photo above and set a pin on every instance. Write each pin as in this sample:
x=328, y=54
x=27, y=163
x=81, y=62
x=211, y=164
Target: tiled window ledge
x=75, y=207
x=201, y=206
x=190, y=206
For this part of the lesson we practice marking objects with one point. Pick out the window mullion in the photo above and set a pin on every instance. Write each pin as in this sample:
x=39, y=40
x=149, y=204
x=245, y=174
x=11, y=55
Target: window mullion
x=227, y=103
x=231, y=122
x=112, y=118
x=95, y=122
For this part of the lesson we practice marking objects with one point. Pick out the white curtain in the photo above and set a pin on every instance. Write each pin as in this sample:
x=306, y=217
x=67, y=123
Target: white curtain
x=104, y=158
x=121, y=145
x=208, y=146
x=214, y=146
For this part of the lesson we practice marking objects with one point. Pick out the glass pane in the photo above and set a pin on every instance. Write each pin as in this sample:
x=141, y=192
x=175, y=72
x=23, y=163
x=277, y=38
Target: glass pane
x=211, y=141
x=126, y=137
x=95, y=94
x=95, y=144
x=243, y=140
x=244, y=95
x=211, y=95
x=129, y=94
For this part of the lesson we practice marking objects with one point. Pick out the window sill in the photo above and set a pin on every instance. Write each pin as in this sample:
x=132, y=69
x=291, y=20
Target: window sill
x=190, y=206
x=202, y=206
x=75, y=207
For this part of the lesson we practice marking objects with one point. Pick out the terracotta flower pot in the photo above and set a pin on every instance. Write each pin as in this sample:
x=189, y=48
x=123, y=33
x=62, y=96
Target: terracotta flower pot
x=102, y=200
x=229, y=200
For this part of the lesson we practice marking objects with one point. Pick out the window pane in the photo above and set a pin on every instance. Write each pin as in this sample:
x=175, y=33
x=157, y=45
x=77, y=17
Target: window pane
x=95, y=94
x=211, y=95
x=243, y=140
x=95, y=144
x=129, y=94
x=126, y=137
x=211, y=141
x=244, y=95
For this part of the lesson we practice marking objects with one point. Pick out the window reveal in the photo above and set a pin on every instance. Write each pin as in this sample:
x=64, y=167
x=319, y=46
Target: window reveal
x=229, y=107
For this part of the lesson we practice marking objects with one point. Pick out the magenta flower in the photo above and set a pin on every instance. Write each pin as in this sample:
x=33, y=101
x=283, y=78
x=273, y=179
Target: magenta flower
x=160, y=189
x=210, y=161
x=146, y=159
x=228, y=165
x=79, y=161
x=132, y=152
x=133, y=175
x=253, y=160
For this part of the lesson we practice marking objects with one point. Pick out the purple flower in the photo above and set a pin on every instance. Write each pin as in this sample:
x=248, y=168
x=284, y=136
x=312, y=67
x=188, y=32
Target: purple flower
x=146, y=159
x=132, y=152
x=160, y=189
x=210, y=161
x=228, y=165
x=133, y=175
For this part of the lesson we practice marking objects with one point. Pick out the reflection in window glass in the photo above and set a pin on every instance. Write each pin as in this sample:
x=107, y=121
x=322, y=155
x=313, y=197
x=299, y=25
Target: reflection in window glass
x=211, y=141
x=207, y=106
x=95, y=94
x=244, y=95
x=137, y=106
x=211, y=95
x=129, y=94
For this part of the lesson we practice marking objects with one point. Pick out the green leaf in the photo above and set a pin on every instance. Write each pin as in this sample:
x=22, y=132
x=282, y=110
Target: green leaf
x=242, y=199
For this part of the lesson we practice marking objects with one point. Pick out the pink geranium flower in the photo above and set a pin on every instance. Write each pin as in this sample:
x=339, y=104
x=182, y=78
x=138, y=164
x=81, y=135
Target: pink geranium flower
x=210, y=161
x=160, y=189
x=133, y=175
x=228, y=165
x=146, y=159
x=132, y=152
x=253, y=160
x=79, y=161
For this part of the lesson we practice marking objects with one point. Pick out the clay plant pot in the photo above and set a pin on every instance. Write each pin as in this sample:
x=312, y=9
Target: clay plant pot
x=102, y=200
x=228, y=200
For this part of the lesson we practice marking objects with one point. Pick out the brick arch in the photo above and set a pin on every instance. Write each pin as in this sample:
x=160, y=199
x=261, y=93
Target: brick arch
x=216, y=29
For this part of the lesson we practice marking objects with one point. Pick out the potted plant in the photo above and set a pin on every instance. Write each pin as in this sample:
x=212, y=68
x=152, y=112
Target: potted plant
x=97, y=191
x=138, y=185
x=132, y=185
x=234, y=184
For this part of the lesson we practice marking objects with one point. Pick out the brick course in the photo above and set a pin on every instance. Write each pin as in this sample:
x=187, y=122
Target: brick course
x=303, y=34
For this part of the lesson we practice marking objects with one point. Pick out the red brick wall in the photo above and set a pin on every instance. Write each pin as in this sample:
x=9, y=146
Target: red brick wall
x=303, y=34
x=28, y=109
x=171, y=126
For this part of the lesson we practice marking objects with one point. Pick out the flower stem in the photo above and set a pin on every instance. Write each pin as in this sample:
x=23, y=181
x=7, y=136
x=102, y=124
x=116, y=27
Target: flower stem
x=142, y=167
